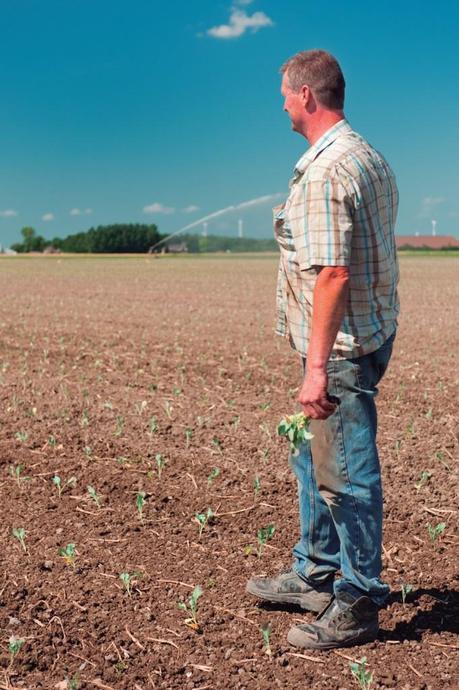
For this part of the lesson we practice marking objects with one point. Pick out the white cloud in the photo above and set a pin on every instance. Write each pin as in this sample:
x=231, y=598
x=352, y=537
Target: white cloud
x=9, y=213
x=156, y=207
x=429, y=203
x=190, y=209
x=79, y=212
x=239, y=23
x=48, y=216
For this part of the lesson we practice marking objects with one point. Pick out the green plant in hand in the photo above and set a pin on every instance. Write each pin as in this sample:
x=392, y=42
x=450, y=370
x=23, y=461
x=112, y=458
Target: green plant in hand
x=191, y=608
x=20, y=534
x=264, y=535
x=69, y=554
x=363, y=677
x=266, y=631
x=204, y=518
x=296, y=428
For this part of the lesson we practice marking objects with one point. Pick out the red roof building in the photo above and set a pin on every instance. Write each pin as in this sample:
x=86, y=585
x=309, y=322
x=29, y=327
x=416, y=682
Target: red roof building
x=426, y=242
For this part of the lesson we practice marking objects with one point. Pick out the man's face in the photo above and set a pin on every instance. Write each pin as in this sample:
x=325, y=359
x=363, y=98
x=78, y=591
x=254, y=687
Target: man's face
x=293, y=105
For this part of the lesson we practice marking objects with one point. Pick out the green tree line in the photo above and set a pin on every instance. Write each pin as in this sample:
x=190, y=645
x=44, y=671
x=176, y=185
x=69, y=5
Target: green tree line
x=119, y=238
x=137, y=238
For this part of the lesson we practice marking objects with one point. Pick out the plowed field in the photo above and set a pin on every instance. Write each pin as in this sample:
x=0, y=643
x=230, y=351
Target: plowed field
x=159, y=383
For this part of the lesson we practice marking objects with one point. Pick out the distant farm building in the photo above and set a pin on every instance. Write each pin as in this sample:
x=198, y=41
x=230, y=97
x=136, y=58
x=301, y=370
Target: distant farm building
x=175, y=248
x=426, y=242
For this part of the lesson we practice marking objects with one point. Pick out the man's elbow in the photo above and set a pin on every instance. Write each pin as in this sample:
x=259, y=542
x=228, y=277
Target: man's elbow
x=335, y=274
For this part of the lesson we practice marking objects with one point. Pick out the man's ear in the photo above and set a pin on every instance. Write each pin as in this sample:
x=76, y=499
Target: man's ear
x=306, y=94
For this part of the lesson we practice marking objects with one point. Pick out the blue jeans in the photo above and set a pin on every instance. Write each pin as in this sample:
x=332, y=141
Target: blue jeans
x=339, y=483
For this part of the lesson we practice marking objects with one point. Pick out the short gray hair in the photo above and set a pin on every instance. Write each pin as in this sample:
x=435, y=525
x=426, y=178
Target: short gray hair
x=321, y=72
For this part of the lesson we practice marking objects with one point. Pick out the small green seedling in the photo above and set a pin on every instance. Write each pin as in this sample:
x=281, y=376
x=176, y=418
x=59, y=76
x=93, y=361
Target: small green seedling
x=160, y=464
x=405, y=590
x=423, y=479
x=14, y=647
x=168, y=409
x=69, y=554
x=296, y=428
x=266, y=631
x=191, y=608
x=188, y=437
x=363, y=677
x=264, y=535
x=140, y=503
x=204, y=518
x=434, y=532
x=57, y=481
x=20, y=534
x=94, y=495
x=16, y=472
x=127, y=579
x=73, y=683
x=256, y=484
x=119, y=426
x=22, y=436
x=214, y=473
x=152, y=426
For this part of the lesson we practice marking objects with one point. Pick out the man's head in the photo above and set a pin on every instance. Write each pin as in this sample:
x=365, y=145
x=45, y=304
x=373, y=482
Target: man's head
x=313, y=88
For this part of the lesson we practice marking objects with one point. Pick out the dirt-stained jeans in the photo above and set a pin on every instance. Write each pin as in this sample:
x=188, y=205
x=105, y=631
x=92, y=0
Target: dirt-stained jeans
x=339, y=483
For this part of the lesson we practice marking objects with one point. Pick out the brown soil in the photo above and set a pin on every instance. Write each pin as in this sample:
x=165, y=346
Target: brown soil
x=91, y=351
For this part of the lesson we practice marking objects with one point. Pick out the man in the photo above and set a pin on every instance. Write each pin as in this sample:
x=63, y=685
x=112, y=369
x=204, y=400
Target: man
x=338, y=304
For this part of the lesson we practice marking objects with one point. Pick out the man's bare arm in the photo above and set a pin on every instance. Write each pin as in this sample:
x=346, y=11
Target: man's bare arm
x=330, y=295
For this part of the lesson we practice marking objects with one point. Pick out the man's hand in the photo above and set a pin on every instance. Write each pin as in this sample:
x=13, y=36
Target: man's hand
x=313, y=395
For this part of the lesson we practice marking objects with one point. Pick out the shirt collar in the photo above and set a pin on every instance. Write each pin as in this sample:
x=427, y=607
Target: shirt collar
x=341, y=127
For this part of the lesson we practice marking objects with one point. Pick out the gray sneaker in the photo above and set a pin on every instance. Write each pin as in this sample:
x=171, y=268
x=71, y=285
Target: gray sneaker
x=289, y=588
x=346, y=622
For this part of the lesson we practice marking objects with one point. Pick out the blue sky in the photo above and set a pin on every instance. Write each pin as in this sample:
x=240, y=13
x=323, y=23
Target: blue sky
x=144, y=111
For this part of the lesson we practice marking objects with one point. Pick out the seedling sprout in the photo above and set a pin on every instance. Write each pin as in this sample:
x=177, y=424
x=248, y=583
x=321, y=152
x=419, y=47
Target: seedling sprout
x=423, y=479
x=160, y=464
x=191, y=608
x=14, y=647
x=434, y=532
x=264, y=535
x=203, y=519
x=405, y=590
x=20, y=534
x=214, y=473
x=140, y=503
x=57, y=481
x=127, y=579
x=266, y=631
x=68, y=553
x=16, y=473
x=363, y=677
x=94, y=495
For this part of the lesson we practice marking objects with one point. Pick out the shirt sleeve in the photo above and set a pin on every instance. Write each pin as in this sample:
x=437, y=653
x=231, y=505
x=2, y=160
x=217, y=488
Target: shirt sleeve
x=321, y=214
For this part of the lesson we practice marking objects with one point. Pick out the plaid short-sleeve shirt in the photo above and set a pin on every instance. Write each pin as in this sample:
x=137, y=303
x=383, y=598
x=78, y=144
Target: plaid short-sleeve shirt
x=341, y=211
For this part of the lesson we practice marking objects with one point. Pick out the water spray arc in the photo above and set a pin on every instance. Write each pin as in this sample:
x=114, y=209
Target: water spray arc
x=245, y=204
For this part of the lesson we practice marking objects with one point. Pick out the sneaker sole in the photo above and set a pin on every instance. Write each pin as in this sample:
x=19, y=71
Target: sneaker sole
x=316, y=601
